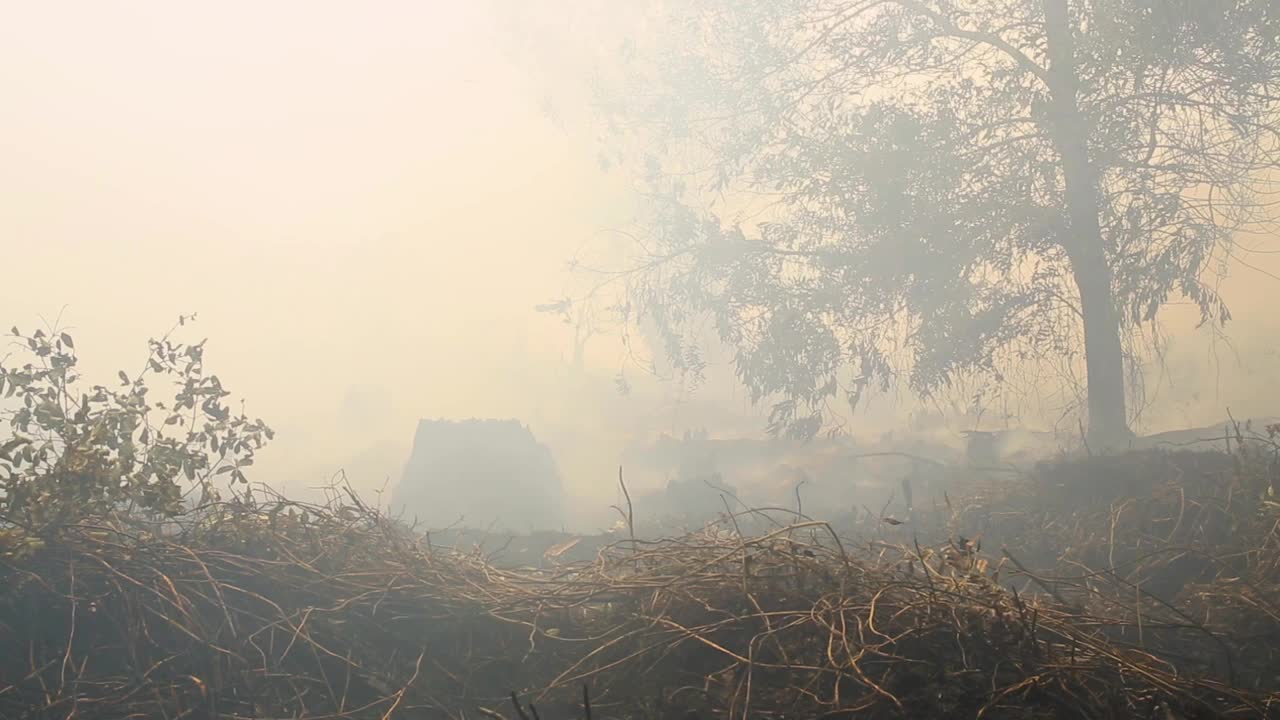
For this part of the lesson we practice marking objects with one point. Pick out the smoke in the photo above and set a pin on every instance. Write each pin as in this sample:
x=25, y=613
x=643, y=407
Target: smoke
x=365, y=205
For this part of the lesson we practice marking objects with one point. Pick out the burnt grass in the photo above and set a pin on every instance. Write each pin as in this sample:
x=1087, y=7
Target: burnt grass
x=1143, y=584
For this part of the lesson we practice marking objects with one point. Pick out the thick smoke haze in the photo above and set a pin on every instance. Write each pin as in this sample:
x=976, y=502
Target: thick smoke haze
x=364, y=203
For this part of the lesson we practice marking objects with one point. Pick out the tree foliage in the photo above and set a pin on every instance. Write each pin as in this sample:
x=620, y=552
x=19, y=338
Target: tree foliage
x=862, y=192
x=73, y=452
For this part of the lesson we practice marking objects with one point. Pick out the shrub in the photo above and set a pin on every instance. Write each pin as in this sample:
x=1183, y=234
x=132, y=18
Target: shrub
x=73, y=452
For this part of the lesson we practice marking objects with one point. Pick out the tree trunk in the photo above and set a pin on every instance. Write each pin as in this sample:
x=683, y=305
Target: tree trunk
x=1104, y=358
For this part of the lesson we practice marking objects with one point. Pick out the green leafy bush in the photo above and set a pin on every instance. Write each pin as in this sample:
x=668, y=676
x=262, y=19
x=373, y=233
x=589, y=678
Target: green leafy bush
x=72, y=452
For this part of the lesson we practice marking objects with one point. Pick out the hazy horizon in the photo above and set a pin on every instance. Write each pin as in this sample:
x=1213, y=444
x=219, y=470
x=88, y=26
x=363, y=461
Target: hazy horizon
x=364, y=204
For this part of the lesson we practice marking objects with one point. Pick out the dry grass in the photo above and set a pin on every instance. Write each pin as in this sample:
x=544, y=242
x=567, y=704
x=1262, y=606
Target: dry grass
x=287, y=610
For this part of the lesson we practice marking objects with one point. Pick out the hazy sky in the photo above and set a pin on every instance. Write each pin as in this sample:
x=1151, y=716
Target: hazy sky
x=361, y=200
x=351, y=195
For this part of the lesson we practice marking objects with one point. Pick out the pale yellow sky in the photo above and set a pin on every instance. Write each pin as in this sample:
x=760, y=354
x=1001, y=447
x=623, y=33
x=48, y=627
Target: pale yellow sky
x=363, y=203
x=349, y=194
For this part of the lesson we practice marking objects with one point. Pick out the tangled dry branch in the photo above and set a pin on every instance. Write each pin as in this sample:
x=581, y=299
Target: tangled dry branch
x=281, y=609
